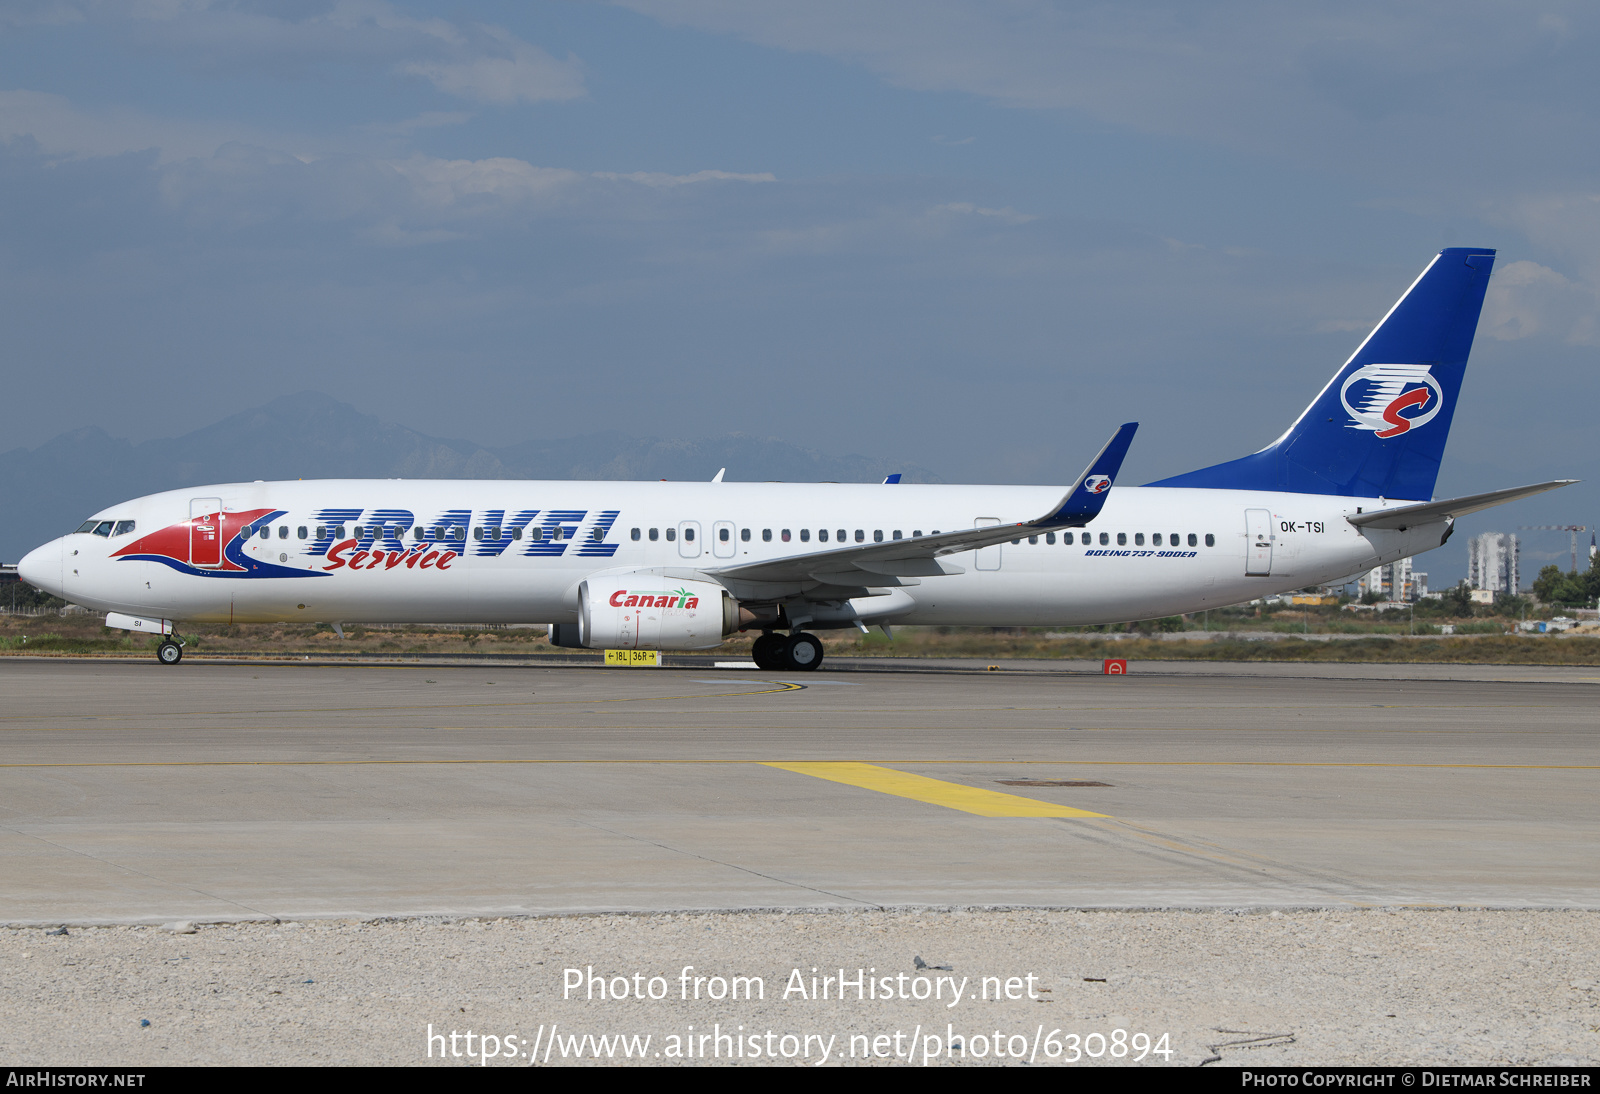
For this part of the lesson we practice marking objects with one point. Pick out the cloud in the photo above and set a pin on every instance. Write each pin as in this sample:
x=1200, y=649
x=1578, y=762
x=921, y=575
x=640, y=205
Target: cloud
x=1008, y=215
x=659, y=180
x=1366, y=89
x=428, y=119
x=511, y=71
x=454, y=184
x=467, y=60
x=62, y=129
x=1526, y=300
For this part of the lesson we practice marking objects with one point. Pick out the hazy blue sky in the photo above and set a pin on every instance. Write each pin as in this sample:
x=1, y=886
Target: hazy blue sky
x=979, y=234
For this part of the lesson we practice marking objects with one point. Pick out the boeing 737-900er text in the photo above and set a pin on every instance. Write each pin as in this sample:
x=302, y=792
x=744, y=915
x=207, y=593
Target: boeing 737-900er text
x=681, y=566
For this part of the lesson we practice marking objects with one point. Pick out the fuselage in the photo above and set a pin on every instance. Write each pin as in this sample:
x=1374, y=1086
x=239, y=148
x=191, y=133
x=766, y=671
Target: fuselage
x=345, y=550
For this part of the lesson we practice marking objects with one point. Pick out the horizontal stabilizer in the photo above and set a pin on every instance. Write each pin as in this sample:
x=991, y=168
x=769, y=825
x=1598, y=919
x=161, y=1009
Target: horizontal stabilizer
x=1428, y=512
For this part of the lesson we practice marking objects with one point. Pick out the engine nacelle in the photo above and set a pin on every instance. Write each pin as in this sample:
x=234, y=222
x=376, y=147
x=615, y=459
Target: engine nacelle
x=647, y=612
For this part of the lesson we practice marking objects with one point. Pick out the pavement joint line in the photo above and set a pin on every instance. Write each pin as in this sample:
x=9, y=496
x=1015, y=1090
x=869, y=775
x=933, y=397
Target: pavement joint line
x=904, y=784
x=782, y=687
x=729, y=865
x=136, y=873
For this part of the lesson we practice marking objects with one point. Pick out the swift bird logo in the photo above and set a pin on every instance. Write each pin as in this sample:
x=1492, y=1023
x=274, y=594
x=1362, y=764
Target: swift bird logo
x=1097, y=484
x=1375, y=395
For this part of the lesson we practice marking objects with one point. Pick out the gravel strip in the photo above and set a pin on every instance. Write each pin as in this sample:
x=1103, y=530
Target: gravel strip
x=1401, y=986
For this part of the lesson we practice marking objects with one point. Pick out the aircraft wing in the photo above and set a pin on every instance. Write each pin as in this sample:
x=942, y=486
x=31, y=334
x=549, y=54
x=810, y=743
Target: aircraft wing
x=1428, y=512
x=880, y=563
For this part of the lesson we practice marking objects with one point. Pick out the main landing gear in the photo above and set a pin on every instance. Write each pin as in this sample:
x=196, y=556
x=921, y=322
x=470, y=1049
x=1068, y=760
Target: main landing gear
x=787, y=653
x=169, y=652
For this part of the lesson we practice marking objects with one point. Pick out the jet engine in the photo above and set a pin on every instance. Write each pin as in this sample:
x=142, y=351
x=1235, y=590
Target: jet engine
x=648, y=612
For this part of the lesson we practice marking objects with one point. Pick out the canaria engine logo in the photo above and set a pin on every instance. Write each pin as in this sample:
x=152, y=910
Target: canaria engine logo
x=1375, y=396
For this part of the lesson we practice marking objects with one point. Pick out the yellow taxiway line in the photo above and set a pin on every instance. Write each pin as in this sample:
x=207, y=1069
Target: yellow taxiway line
x=903, y=784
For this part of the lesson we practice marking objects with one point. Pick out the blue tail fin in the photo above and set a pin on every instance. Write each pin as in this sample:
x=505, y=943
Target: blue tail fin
x=1378, y=429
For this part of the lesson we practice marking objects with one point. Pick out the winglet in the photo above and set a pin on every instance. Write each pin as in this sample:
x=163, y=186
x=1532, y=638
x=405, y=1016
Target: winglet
x=892, y=479
x=1088, y=497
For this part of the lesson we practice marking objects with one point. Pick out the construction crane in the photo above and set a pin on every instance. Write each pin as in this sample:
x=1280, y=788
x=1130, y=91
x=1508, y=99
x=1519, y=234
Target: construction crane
x=1573, y=528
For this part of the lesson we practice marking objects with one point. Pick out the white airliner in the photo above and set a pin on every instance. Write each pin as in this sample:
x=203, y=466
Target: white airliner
x=676, y=566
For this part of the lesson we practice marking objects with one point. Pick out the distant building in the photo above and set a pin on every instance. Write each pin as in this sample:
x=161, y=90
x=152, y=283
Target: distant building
x=1394, y=581
x=1492, y=563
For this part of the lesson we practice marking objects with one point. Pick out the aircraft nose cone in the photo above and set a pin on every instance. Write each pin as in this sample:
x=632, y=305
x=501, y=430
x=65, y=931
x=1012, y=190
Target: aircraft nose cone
x=41, y=567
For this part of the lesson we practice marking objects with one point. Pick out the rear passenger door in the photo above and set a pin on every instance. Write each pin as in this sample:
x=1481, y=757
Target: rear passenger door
x=1258, y=542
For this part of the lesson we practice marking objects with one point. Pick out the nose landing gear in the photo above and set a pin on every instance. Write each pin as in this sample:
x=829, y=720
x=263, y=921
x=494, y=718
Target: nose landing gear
x=787, y=653
x=169, y=652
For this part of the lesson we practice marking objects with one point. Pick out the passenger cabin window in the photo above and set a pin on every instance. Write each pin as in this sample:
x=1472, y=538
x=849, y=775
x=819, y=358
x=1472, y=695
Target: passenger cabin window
x=1155, y=540
x=1031, y=539
x=744, y=534
x=1105, y=538
x=1122, y=539
x=536, y=534
x=266, y=533
x=1138, y=539
x=841, y=535
x=805, y=535
x=1049, y=537
x=722, y=534
x=672, y=534
x=1066, y=537
x=861, y=536
x=766, y=535
x=654, y=535
x=688, y=535
x=1193, y=542
x=822, y=535
x=634, y=535
x=877, y=535
x=897, y=534
x=784, y=535
x=516, y=533
x=1211, y=540
x=917, y=534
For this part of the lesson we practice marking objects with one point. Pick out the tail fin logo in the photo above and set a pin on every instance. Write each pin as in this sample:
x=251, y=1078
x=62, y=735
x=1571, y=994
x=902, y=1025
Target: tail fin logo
x=1375, y=395
x=1097, y=484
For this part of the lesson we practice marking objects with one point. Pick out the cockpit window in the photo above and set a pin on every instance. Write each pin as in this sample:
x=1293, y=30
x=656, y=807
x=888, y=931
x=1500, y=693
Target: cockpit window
x=103, y=528
x=86, y=526
x=123, y=528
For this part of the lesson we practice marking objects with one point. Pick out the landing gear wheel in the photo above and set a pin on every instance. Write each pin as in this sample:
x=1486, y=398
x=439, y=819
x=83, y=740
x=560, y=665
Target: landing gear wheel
x=803, y=652
x=169, y=653
x=767, y=652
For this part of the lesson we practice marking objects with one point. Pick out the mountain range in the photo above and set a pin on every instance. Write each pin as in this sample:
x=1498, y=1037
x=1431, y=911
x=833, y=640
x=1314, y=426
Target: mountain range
x=49, y=490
